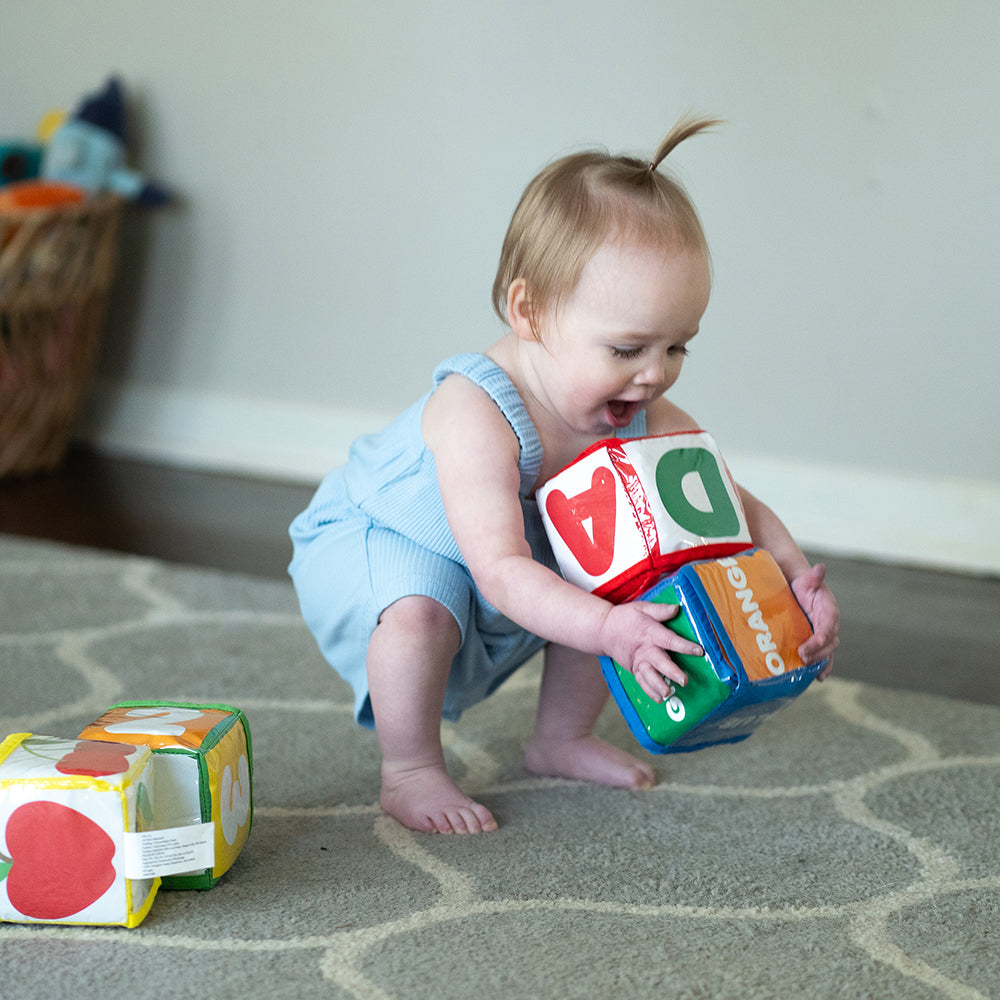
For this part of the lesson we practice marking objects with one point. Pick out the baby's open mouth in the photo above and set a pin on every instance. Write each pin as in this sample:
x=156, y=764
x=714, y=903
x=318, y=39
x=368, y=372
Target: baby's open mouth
x=621, y=412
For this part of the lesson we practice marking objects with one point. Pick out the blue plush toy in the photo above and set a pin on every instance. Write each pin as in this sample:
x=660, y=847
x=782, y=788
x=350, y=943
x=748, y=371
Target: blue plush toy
x=89, y=150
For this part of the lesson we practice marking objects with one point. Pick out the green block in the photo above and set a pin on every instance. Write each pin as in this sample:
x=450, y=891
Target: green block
x=203, y=772
x=665, y=722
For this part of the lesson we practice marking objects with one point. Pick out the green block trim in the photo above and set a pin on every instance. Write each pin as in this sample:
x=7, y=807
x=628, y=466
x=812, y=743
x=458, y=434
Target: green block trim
x=212, y=739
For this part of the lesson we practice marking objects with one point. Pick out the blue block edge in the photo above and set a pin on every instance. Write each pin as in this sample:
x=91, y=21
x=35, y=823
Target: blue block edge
x=775, y=692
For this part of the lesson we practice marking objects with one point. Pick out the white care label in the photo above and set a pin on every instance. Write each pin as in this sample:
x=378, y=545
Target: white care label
x=155, y=853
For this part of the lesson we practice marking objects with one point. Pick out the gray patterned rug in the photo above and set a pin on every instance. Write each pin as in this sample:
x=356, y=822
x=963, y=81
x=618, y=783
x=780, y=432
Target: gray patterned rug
x=849, y=848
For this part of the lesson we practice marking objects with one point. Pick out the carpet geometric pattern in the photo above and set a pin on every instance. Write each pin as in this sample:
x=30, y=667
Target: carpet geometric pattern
x=848, y=848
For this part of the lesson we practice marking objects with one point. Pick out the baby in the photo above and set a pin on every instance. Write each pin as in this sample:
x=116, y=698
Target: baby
x=422, y=566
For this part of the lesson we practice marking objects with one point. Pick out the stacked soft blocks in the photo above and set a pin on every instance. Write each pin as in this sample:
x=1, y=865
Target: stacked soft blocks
x=150, y=794
x=660, y=519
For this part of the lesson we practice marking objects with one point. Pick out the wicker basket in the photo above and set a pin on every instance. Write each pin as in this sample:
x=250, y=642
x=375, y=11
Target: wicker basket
x=56, y=267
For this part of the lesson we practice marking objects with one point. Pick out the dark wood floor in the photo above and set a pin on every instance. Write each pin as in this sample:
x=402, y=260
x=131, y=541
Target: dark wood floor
x=181, y=515
x=905, y=628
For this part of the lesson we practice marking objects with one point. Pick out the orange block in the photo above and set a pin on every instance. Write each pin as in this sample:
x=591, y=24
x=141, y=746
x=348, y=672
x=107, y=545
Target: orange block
x=758, y=612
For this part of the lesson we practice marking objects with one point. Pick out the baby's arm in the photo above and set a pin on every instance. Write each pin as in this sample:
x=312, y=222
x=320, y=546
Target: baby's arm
x=476, y=453
x=807, y=582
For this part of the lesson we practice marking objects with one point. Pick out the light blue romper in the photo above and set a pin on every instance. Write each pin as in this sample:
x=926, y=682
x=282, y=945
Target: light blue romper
x=376, y=531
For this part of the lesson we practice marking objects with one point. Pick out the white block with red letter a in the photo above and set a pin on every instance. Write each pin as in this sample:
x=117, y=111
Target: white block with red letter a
x=626, y=512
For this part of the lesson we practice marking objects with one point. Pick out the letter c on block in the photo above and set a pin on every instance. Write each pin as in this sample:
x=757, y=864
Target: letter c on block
x=675, y=708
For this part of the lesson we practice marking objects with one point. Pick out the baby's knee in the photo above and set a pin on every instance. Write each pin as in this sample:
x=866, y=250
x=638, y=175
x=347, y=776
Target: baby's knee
x=417, y=615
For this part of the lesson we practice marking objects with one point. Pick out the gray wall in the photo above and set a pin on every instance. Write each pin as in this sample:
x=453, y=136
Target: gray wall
x=346, y=170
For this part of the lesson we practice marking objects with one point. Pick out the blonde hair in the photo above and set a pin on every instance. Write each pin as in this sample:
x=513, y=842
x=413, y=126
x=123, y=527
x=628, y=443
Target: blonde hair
x=578, y=202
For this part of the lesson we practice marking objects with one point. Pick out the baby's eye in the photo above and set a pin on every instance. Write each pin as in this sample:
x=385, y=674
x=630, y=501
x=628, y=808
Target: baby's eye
x=679, y=350
x=626, y=353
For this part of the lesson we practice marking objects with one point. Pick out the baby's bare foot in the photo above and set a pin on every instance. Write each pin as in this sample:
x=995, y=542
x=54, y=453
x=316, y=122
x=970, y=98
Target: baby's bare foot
x=588, y=758
x=426, y=799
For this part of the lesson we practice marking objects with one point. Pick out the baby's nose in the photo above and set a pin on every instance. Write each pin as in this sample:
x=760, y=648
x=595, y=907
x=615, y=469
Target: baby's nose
x=653, y=373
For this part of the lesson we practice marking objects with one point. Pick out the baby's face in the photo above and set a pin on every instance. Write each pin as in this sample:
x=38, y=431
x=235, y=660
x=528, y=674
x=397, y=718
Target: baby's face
x=619, y=340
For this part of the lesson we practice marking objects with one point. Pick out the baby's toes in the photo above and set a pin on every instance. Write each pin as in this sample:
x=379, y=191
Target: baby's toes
x=473, y=819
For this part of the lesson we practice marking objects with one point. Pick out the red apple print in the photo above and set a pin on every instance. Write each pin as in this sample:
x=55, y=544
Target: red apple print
x=596, y=554
x=96, y=759
x=60, y=861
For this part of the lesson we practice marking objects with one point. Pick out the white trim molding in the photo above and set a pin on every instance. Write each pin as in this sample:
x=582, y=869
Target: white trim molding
x=941, y=522
x=838, y=510
x=269, y=438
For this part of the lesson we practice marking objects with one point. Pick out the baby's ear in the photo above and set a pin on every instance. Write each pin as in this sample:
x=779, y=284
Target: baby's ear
x=519, y=314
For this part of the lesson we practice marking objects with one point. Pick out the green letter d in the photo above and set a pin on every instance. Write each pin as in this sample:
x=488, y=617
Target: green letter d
x=719, y=522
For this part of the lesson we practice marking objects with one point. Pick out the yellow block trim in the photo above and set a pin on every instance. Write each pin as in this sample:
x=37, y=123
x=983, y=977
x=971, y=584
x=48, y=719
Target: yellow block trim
x=10, y=743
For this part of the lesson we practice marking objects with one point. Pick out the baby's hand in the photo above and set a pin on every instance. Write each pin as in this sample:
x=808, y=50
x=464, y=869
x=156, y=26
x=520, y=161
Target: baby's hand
x=634, y=636
x=820, y=605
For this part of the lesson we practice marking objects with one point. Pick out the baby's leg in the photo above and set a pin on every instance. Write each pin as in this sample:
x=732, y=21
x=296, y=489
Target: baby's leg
x=563, y=743
x=409, y=657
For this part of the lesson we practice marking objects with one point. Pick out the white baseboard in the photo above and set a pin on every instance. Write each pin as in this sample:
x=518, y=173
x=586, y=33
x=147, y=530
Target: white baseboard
x=947, y=523
x=269, y=438
x=839, y=510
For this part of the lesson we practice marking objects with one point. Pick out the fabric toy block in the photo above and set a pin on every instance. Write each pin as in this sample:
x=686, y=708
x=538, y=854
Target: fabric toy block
x=204, y=773
x=68, y=809
x=626, y=512
x=741, y=611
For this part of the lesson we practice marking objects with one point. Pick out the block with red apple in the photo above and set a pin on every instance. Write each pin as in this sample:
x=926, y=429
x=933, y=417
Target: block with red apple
x=60, y=861
x=66, y=807
x=203, y=765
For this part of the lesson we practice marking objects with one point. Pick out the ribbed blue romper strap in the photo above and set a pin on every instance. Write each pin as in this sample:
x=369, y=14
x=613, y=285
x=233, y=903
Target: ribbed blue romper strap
x=489, y=376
